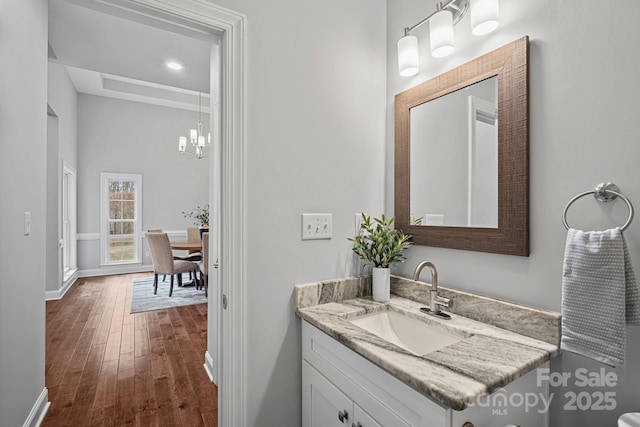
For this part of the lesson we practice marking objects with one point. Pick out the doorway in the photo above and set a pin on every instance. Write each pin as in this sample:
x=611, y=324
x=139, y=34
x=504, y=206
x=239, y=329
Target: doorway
x=227, y=300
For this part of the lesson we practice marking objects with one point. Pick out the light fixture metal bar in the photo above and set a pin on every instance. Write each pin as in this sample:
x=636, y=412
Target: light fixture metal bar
x=457, y=7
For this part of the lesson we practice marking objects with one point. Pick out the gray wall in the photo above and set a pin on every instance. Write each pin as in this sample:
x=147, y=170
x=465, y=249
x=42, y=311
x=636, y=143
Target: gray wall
x=62, y=98
x=130, y=137
x=584, y=127
x=23, y=132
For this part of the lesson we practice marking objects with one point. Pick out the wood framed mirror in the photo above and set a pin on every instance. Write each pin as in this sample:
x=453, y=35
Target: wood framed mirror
x=506, y=231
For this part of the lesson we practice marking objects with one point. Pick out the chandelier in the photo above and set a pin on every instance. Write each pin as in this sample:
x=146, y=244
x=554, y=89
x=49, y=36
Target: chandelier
x=196, y=136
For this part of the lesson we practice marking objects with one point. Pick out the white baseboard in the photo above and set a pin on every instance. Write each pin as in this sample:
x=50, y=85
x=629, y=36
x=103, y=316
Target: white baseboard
x=107, y=271
x=39, y=410
x=209, y=366
x=56, y=295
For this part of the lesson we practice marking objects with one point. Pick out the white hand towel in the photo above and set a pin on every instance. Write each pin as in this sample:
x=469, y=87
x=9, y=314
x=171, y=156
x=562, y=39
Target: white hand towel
x=599, y=295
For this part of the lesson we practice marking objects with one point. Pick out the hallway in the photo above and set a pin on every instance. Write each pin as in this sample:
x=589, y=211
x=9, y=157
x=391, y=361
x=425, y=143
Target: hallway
x=105, y=366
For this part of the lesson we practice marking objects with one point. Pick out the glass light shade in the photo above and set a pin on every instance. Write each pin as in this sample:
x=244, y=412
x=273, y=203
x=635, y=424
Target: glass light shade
x=441, y=34
x=484, y=16
x=408, y=57
x=201, y=141
x=194, y=135
x=182, y=144
x=209, y=138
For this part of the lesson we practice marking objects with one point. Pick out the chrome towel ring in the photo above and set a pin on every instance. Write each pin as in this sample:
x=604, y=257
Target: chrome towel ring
x=604, y=192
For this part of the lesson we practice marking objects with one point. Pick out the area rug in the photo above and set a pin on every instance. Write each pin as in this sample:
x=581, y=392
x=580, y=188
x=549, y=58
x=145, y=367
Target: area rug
x=143, y=298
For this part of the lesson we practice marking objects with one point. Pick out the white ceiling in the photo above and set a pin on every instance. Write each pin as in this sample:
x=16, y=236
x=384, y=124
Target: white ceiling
x=111, y=52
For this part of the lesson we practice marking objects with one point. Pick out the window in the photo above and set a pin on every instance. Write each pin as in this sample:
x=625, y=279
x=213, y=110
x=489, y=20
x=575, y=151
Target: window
x=120, y=229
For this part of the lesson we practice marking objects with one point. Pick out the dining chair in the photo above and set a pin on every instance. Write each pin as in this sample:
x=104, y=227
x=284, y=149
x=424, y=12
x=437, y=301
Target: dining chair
x=204, y=264
x=163, y=262
x=159, y=230
x=192, y=234
x=194, y=256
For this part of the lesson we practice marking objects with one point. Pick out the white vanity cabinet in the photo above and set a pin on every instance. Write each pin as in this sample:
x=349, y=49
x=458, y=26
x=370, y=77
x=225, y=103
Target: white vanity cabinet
x=337, y=381
x=341, y=388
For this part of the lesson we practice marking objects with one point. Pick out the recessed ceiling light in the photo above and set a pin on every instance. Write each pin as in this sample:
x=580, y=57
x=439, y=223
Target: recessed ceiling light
x=174, y=65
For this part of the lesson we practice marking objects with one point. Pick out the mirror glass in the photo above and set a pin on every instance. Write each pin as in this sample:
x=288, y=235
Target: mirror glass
x=461, y=158
x=454, y=158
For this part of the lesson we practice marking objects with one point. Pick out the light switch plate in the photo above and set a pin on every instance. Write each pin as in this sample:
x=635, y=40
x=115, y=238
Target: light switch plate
x=317, y=226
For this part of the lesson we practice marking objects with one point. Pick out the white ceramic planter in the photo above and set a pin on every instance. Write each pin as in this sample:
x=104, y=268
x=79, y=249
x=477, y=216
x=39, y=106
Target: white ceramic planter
x=381, y=284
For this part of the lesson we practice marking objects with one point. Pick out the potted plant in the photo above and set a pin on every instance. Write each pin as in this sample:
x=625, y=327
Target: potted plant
x=381, y=246
x=200, y=216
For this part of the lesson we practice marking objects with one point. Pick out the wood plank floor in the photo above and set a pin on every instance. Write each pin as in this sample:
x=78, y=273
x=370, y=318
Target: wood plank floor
x=107, y=367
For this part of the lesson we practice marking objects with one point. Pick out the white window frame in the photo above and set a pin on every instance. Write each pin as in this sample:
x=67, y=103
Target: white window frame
x=105, y=177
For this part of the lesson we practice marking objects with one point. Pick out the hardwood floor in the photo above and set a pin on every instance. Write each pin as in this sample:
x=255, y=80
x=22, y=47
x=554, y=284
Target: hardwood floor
x=106, y=367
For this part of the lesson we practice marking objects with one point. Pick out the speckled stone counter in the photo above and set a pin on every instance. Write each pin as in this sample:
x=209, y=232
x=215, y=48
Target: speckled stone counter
x=488, y=357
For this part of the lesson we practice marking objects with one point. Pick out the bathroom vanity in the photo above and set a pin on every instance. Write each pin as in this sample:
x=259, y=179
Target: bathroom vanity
x=478, y=374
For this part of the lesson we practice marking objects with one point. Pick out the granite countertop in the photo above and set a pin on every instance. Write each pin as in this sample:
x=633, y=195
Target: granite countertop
x=487, y=358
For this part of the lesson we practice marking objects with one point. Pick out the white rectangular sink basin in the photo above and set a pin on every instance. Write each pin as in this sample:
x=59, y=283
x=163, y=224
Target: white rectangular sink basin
x=406, y=332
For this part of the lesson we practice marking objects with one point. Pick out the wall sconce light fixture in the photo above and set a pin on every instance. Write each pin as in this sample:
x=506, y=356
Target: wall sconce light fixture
x=484, y=19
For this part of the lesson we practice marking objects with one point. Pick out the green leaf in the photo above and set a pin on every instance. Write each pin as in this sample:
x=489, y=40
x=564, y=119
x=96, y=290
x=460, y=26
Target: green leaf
x=380, y=244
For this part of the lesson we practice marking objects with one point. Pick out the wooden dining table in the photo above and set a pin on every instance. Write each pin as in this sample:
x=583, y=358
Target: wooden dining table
x=186, y=245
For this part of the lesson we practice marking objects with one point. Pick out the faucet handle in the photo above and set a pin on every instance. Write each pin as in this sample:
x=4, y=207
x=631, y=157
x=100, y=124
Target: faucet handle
x=445, y=302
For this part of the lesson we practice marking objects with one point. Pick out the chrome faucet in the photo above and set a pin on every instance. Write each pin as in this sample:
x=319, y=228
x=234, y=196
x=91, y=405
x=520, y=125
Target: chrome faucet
x=435, y=301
